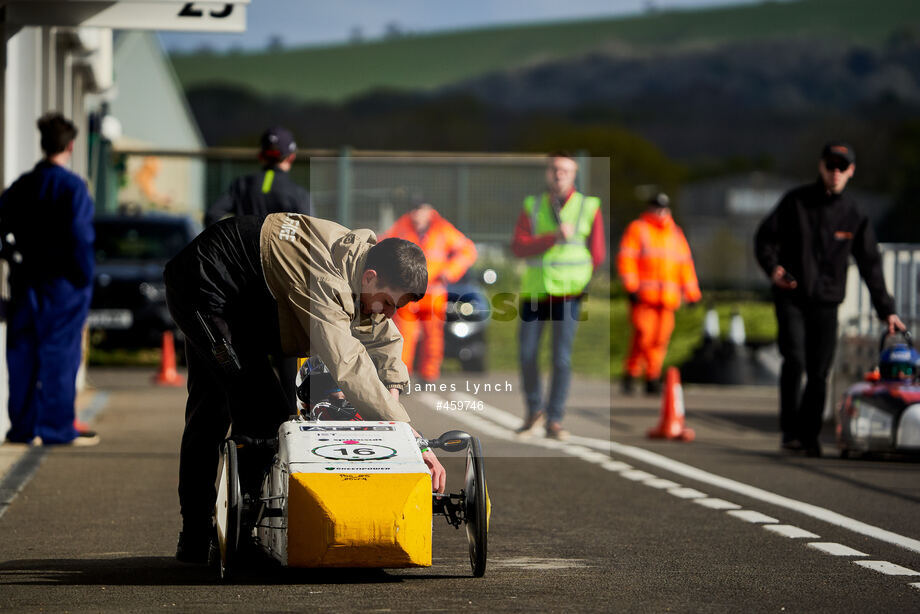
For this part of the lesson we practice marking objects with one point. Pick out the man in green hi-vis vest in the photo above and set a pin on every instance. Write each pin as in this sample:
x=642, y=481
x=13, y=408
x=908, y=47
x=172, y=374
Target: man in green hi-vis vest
x=561, y=234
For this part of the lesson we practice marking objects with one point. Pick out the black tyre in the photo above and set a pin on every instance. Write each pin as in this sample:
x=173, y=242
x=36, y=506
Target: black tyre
x=477, y=508
x=227, y=510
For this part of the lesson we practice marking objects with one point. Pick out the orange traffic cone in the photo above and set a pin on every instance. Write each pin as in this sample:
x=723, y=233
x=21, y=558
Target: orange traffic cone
x=168, y=376
x=671, y=425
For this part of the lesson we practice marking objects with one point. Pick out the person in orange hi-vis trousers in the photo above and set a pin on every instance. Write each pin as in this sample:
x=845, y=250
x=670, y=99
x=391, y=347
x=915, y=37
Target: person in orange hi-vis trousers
x=450, y=253
x=656, y=268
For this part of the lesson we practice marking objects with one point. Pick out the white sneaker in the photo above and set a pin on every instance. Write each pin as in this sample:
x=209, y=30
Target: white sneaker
x=85, y=439
x=554, y=430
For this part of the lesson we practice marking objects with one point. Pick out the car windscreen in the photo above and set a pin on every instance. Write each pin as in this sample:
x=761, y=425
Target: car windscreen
x=139, y=240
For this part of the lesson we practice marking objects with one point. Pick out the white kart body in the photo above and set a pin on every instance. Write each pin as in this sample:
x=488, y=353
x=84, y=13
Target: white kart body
x=908, y=435
x=880, y=417
x=350, y=494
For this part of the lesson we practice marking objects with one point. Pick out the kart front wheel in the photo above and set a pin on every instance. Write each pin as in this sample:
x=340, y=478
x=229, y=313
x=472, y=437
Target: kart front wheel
x=477, y=508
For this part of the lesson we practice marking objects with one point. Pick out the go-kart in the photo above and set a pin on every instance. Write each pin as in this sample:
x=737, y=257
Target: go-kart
x=342, y=493
x=881, y=415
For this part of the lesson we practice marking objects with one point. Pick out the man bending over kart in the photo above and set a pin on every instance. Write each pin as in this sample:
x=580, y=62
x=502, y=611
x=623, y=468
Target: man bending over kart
x=292, y=285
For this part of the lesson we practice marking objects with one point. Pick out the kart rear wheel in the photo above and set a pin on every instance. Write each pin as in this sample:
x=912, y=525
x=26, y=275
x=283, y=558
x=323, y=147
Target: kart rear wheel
x=227, y=510
x=477, y=508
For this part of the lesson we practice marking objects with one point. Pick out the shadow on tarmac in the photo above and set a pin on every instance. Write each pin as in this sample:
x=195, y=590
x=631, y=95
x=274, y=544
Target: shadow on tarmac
x=890, y=464
x=830, y=465
x=166, y=571
x=765, y=423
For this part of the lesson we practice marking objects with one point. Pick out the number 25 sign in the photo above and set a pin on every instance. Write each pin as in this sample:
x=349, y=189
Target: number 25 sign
x=190, y=10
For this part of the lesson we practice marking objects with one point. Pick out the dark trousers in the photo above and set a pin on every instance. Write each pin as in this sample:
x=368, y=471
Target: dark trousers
x=807, y=339
x=563, y=316
x=253, y=401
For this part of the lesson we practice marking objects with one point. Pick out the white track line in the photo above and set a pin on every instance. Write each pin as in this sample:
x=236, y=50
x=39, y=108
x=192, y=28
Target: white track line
x=637, y=475
x=19, y=475
x=835, y=549
x=790, y=531
x=889, y=569
x=717, y=504
x=661, y=483
x=508, y=422
x=503, y=425
x=759, y=494
x=752, y=516
x=686, y=493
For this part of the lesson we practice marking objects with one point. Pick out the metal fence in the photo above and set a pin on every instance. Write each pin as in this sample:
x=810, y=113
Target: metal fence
x=901, y=265
x=860, y=328
x=481, y=194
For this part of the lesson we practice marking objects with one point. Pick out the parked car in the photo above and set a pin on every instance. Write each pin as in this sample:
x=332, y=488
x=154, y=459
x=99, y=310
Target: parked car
x=468, y=314
x=129, y=299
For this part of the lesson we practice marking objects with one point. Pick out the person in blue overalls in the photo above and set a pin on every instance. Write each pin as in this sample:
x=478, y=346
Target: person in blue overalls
x=50, y=213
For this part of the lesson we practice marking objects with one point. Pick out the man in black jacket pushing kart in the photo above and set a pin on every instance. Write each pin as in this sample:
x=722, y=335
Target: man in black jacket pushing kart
x=803, y=246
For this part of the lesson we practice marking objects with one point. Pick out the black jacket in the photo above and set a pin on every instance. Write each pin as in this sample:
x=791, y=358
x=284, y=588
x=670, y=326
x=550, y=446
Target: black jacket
x=812, y=234
x=220, y=275
x=260, y=194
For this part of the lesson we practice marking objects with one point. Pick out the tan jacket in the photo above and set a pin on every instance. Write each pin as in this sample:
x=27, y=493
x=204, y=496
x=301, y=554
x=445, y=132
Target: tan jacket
x=313, y=269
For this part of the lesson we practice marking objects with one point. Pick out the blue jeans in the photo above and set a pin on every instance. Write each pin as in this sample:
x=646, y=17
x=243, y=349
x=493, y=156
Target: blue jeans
x=563, y=316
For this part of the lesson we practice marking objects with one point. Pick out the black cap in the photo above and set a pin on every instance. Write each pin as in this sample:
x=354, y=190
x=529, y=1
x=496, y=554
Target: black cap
x=278, y=143
x=659, y=200
x=840, y=150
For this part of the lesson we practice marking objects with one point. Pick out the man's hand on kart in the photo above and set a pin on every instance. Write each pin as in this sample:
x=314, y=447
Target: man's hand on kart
x=438, y=474
x=894, y=323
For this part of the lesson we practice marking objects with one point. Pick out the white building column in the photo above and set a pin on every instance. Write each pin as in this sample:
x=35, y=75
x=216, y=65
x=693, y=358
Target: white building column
x=22, y=103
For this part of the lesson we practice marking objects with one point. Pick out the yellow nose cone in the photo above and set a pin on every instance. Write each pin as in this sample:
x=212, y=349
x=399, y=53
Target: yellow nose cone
x=359, y=520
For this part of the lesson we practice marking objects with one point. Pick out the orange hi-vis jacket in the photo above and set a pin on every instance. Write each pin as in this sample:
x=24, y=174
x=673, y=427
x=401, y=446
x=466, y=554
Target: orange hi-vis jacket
x=448, y=251
x=655, y=263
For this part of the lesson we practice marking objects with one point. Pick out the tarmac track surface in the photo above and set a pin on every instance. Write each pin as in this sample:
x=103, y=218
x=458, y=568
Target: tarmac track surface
x=95, y=528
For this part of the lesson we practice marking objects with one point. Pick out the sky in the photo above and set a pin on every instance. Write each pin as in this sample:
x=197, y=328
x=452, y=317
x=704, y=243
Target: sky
x=298, y=23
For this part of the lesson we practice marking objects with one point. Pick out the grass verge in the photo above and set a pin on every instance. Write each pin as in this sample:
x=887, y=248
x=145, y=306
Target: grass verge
x=603, y=337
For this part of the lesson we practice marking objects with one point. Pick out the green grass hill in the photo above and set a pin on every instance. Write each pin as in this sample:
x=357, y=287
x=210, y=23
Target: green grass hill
x=425, y=62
